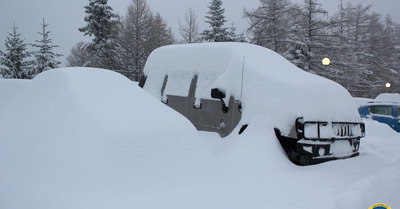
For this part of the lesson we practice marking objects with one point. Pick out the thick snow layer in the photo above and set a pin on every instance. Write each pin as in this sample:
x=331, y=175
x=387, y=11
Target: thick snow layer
x=388, y=97
x=89, y=138
x=362, y=101
x=273, y=88
x=85, y=130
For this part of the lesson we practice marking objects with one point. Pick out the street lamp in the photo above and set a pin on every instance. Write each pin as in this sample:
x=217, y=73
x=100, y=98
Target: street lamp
x=326, y=61
x=388, y=85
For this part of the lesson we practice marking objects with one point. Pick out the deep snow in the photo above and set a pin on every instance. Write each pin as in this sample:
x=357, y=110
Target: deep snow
x=90, y=138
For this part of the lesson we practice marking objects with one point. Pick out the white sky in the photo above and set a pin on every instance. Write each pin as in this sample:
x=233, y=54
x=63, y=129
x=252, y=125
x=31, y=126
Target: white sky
x=66, y=16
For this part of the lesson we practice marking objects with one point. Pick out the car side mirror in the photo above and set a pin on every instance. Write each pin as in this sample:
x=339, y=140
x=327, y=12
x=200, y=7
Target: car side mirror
x=217, y=93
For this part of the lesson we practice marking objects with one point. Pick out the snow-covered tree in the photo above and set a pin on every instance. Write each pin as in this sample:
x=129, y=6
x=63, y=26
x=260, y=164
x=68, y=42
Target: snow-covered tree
x=190, y=29
x=45, y=58
x=391, y=53
x=269, y=24
x=160, y=34
x=364, y=50
x=101, y=23
x=140, y=33
x=314, y=30
x=78, y=56
x=297, y=32
x=13, y=60
x=233, y=36
x=361, y=80
x=134, y=32
x=216, y=20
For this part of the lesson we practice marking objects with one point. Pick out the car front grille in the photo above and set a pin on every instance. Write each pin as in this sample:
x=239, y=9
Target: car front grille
x=320, y=130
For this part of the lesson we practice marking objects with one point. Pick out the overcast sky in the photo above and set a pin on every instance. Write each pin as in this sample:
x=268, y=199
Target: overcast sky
x=66, y=16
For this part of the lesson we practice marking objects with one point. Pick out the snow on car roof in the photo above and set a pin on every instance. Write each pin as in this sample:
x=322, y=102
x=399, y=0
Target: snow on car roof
x=388, y=97
x=272, y=86
x=360, y=101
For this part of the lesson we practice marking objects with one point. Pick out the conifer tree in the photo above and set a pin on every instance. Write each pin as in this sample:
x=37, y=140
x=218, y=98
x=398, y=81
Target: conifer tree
x=45, y=58
x=216, y=20
x=14, y=58
x=100, y=24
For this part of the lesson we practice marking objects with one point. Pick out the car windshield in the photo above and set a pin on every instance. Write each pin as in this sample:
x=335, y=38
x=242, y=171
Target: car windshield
x=381, y=110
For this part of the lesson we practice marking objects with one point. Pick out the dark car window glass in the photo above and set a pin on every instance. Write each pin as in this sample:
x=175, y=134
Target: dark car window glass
x=398, y=112
x=381, y=110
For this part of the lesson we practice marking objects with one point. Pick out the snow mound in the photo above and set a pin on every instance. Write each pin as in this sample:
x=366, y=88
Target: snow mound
x=89, y=138
x=92, y=129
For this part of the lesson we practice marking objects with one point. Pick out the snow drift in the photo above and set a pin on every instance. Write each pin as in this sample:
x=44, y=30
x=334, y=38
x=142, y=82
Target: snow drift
x=94, y=130
x=89, y=138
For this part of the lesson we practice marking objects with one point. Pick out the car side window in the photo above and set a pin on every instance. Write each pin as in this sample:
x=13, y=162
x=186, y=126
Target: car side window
x=398, y=112
x=381, y=110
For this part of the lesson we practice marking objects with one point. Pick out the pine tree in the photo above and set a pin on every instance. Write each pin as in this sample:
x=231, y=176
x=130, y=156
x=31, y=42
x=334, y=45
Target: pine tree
x=232, y=36
x=101, y=24
x=216, y=20
x=45, y=57
x=14, y=59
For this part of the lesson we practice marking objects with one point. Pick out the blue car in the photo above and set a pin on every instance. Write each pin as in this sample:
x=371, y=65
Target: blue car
x=384, y=109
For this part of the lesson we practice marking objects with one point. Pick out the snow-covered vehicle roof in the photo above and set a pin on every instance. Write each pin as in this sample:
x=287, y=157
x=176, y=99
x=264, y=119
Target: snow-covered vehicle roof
x=388, y=97
x=361, y=101
x=272, y=86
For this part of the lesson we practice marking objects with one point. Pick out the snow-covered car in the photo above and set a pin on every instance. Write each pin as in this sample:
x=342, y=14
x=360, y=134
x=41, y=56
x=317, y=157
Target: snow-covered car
x=385, y=109
x=70, y=133
x=227, y=87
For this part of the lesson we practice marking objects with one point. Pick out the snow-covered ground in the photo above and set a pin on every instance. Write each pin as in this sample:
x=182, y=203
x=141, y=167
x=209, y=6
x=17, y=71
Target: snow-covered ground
x=90, y=138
